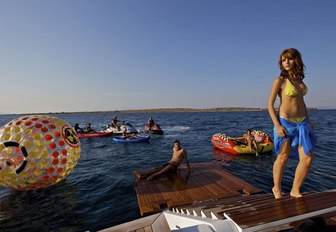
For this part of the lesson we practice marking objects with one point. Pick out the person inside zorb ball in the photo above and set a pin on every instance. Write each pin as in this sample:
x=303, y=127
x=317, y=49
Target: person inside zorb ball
x=36, y=152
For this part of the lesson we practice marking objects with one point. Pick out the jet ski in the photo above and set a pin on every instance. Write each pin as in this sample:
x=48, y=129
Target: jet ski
x=155, y=129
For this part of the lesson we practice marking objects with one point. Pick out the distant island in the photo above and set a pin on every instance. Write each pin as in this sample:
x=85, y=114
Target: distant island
x=166, y=110
x=169, y=110
x=176, y=110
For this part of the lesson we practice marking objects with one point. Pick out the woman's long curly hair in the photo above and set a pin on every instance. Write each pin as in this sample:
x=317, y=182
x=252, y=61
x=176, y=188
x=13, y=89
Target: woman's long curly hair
x=299, y=67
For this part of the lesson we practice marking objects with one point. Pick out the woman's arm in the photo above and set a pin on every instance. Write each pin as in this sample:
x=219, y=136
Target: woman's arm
x=271, y=99
x=276, y=88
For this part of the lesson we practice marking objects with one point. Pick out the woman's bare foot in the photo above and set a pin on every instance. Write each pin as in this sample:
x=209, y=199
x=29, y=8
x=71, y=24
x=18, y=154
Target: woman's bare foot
x=295, y=195
x=277, y=194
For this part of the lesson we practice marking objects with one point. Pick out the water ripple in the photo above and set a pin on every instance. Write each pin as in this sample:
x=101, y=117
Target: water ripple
x=100, y=191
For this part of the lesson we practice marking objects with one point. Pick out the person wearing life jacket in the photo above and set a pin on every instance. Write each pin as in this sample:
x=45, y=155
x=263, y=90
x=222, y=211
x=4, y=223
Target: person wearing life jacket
x=88, y=128
x=150, y=123
x=114, y=123
x=78, y=129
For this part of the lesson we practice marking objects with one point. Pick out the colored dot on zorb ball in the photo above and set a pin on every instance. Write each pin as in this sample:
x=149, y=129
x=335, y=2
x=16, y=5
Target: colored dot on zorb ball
x=37, y=151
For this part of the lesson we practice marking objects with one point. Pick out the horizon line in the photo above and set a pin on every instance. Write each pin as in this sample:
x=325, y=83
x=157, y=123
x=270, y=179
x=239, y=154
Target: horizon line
x=162, y=110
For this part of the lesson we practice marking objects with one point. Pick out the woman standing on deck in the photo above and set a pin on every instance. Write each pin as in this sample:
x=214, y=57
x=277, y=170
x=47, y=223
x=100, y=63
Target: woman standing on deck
x=293, y=130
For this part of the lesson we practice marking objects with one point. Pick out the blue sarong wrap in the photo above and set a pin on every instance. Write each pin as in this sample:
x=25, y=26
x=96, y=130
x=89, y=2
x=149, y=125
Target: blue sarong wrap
x=299, y=133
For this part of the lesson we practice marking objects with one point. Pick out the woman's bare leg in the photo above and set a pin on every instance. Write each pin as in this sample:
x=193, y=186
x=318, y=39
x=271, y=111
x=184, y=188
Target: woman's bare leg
x=278, y=169
x=301, y=172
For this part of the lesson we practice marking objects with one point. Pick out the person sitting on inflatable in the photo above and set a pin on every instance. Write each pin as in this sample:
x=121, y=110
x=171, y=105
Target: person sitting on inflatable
x=251, y=141
x=88, y=128
x=128, y=136
x=78, y=129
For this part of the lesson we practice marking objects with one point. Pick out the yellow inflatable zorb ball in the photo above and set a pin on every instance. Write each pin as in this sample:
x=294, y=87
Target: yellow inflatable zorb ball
x=37, y=151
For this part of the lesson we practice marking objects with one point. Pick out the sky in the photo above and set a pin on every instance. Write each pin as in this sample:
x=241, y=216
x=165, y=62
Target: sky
x=102, y=55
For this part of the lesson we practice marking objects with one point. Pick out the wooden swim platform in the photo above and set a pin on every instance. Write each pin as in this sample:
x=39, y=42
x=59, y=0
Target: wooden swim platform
x=209, y=192
x=260, y=212
x=266, y=212
x=206, y=181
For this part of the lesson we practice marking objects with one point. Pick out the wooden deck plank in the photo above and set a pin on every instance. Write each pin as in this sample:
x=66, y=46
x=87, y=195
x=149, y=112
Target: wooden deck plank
x=270, y=211
x=206, y=181
x=276, y=210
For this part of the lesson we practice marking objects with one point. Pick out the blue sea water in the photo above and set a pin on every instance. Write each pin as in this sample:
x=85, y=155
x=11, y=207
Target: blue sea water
x=100, y=193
